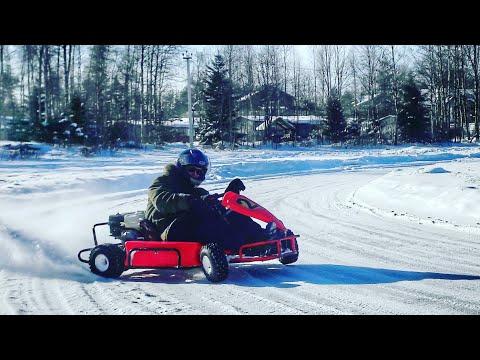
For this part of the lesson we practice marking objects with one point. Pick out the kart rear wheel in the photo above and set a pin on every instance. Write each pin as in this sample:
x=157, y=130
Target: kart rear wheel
x=214, y=262
x=107, y=260
x=289, y=258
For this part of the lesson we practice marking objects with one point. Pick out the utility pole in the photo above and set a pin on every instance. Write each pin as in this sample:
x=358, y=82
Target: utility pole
x=188, y=56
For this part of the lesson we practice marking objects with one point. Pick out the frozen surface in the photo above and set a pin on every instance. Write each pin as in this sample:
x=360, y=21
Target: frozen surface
x=383, y=231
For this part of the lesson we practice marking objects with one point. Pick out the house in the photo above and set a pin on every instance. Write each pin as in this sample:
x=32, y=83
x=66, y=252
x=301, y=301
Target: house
x=386, y=126
x=268, y=99
x=278, y=129
x=288, y=127
x=178, y=129
x=305, y=124
x=245, y=128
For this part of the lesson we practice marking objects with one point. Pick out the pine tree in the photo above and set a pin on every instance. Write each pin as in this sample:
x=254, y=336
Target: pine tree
x=413, y=122
x=336, y=124
x=36, y=108
x=78, y=117
x=96, y=86
x=219, y=105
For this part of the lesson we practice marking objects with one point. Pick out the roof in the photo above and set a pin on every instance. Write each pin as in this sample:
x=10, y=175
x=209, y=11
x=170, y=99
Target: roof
x=284, y=124
x=387, y=117
x=179, y=123
x=309, y=119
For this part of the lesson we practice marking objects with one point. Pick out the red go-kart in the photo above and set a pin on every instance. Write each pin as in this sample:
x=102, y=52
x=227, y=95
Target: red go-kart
x=139, y=250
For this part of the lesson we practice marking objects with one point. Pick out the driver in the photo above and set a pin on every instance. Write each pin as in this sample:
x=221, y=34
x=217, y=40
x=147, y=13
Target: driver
x=183, y=211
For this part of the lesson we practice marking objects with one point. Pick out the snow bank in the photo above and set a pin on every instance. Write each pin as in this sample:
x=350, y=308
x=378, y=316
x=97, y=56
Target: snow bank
x=448, y=195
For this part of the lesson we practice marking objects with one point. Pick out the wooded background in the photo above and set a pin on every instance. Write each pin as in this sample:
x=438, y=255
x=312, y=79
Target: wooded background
x=101, y=94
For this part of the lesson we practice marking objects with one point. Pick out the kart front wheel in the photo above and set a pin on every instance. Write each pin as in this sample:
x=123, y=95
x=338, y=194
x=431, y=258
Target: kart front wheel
x=214, y=262
x=107, y=260
x=289, y=258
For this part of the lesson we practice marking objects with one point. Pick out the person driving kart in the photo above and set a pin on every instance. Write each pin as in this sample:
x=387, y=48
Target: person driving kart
x=183, y=211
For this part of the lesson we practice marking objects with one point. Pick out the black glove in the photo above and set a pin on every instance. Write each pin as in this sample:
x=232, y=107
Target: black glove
x=236, y=185
x=200, y=204
x=209, y=199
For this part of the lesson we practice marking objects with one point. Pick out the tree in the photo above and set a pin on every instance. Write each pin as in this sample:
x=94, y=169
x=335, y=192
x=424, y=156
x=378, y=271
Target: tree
x=218, y=97
x=368, y=66
x=96, y=87
x=78, y=117
x=336, y=124
x=473, y=57
x=412, y=117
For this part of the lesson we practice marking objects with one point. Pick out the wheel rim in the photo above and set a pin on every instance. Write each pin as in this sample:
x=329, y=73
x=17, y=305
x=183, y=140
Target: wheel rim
x=207, y=265
x=101, y=262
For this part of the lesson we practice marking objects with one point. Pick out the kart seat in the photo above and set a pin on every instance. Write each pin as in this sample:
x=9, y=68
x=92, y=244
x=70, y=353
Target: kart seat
x=149, y=230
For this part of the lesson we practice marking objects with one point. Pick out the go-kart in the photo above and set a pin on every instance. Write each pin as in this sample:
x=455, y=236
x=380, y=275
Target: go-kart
x=140, y=249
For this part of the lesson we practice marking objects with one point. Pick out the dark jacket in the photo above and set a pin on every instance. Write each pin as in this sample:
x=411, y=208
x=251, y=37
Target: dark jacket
x=168, y=197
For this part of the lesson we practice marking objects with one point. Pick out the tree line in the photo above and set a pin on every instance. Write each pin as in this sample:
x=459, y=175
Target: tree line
x=105, y=94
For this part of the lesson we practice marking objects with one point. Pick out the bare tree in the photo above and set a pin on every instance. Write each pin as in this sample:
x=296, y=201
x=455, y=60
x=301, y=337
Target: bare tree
x=369, y=57
x=353, y=66
x=473, y=56
x=325, y=67
x=340, y=69
x=67, y=62
x=395, y=92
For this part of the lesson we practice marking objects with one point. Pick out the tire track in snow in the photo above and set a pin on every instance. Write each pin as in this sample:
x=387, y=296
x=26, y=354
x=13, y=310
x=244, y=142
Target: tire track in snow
x=310, y=203
x=351, y=230
x=6, y=307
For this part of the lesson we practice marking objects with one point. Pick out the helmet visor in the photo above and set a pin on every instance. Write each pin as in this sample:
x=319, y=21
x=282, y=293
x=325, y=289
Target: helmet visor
x=196, y=171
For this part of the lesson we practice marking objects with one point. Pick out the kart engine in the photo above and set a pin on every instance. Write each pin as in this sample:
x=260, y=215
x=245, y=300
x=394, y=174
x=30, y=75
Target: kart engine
x=126, y=226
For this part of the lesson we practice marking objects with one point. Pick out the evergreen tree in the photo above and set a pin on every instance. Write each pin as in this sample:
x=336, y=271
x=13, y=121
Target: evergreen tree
x=336, y=124
x=385, y=103
x=96, y=86
x=352, y=131
x=36, y=108
x=218, y=98
x=413, y=122
x=78, y=117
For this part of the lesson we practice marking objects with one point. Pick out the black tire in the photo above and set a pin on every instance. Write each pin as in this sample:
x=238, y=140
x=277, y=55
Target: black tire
x=290, y=258
x=111, y=261
x=214, y=262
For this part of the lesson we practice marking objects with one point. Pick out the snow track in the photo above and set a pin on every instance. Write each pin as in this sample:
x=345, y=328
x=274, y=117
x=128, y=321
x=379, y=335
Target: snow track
x=352, y=260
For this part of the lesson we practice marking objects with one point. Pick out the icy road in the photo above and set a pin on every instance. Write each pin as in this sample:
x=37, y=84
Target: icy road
x=356, y=256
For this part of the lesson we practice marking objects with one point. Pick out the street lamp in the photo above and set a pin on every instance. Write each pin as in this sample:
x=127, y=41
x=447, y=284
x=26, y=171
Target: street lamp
x=188, y=56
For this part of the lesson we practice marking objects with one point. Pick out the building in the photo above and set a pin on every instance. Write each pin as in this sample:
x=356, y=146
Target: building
x=245, y=128
x=292, y=127
x=386, y=126
x=268, y=99
x=178, y=129
x=278, y=129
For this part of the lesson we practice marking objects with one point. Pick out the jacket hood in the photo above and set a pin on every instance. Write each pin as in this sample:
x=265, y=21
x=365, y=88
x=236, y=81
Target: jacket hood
x=171, y=169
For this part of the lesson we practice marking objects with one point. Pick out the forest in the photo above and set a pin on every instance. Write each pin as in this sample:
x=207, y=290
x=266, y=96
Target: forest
x=113, y=95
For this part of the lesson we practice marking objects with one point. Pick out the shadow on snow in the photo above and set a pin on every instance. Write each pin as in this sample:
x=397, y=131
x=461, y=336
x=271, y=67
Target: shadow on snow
x=267, y=275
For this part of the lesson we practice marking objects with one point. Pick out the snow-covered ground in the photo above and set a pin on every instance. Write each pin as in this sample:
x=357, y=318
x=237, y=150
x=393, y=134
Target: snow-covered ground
x=387, y=230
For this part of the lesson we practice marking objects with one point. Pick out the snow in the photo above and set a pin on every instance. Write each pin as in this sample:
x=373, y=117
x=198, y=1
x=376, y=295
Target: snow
x=447, y=195
x=384, y=230
x=180, y=123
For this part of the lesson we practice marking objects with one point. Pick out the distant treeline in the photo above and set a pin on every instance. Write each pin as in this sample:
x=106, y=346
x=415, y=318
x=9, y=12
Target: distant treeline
x=105, y=94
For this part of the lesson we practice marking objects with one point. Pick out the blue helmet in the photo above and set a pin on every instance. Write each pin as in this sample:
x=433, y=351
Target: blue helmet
x=190, y=159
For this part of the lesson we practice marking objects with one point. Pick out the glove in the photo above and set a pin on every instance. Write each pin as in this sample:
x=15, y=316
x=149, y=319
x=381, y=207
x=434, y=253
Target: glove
x=198, y=205
x=236, y=185
x=202, y=204
x=209, y=199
